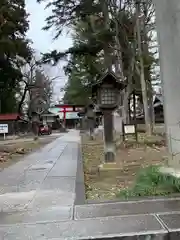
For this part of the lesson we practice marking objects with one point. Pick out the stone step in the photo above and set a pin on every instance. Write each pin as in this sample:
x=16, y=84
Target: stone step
x=150, y=206
x=127, y=227
x=49, y=224
x=53, y=213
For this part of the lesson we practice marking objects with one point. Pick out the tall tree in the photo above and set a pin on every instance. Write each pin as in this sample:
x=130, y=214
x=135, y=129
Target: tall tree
x=40, y=95
x=81, y=75
x=83, y=69
x=110, y=31
x=28, y=77
x=14, y=49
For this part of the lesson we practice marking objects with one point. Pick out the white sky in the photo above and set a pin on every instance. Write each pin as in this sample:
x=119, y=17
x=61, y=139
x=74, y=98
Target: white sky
x=42, y=40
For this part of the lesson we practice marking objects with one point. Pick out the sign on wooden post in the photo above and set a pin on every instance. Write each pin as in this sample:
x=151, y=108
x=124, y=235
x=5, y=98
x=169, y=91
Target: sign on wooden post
x=129, y=129
x=4, y=129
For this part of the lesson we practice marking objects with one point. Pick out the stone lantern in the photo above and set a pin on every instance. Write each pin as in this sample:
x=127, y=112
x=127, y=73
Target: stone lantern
x=90, y=115
x=107, y=94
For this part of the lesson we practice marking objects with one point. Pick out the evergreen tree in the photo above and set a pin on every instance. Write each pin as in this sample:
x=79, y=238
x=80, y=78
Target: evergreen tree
x=109, y=29
x=14, y=49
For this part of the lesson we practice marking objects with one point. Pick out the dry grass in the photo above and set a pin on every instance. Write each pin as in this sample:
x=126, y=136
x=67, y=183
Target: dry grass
x=15, y=151
x=130, y=158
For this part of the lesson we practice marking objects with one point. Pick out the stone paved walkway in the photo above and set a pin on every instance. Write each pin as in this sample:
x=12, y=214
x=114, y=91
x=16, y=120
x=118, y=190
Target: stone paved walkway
x=37, y=202
x=40, y=188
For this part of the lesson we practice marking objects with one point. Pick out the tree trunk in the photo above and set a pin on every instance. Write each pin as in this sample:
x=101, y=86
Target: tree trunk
x=107, y=50
x=22, y=100
x=120, y=74
x=147, y=69
x=142, y=77
x=151, y=106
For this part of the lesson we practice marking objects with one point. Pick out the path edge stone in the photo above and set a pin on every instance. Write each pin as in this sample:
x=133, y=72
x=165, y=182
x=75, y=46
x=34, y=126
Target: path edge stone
x=80, y=198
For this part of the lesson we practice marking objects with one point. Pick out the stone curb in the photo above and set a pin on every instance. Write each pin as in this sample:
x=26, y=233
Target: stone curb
x=166, y=211
x=80, y=187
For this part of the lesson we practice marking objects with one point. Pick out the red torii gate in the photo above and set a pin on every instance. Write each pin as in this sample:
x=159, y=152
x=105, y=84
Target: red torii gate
x=65, y=108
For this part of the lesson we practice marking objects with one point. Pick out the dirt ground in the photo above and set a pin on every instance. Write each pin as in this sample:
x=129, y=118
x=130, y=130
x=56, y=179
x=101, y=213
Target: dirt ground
x=130, y=158
x=13, y=152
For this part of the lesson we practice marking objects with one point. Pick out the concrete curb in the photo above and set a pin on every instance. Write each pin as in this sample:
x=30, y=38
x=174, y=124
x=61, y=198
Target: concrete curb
x=165, y=210
x=80, y=186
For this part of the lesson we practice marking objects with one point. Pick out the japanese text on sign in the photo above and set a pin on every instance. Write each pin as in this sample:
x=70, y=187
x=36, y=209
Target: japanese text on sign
x=3, y=128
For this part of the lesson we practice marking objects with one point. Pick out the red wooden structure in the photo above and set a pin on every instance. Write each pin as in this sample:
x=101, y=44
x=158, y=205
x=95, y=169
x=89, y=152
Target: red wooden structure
x=65, y=108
